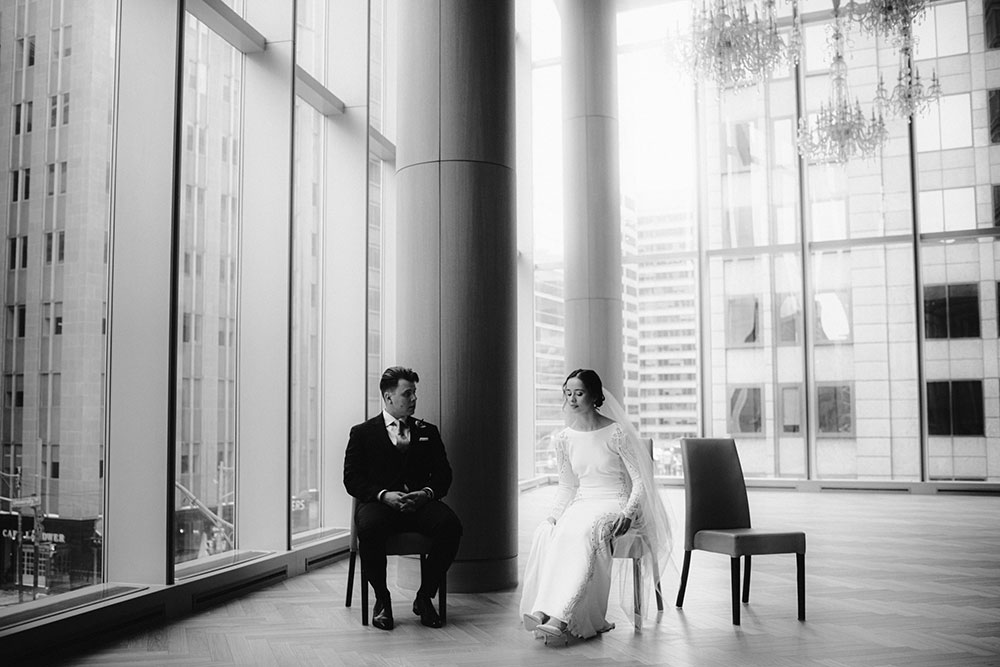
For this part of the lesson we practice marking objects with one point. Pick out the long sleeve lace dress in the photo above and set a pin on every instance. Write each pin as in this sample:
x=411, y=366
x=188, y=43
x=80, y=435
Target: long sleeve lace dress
x=568, y=574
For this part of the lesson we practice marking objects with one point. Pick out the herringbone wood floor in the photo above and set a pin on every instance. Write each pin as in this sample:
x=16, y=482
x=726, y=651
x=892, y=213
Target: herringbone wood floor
x=892, y=579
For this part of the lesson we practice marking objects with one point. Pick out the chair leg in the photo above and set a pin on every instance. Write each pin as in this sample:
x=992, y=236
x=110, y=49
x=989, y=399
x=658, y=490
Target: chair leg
x=734, y=567
x=350, y=578
x=746, y=579
x=443, y=599
x=364, y=595
x=684, y=578
x=637, y=593
x=800, y=572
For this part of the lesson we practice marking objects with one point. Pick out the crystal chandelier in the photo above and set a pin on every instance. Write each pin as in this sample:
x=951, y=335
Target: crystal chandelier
x=737, y=50
x=908, y=97
x=894, y=20
x=841, y=130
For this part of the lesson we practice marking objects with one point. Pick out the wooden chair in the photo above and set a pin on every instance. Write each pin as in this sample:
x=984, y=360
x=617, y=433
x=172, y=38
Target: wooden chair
x=632, y=545
x=718, y=518
x=400, y=544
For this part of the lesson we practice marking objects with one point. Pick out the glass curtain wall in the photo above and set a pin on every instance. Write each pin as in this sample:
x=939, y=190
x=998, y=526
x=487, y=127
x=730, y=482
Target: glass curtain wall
x=208, y=279
x=959, y=248
x=379, y=119
x=839, y=321
x=57, y=64
x=308, y=242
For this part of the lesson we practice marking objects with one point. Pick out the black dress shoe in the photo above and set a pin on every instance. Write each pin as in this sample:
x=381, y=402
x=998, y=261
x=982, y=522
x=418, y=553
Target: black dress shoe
x=382, y=615
x=424, y=608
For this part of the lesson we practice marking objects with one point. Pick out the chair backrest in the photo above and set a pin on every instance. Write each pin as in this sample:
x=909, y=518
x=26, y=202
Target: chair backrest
x=714, y=490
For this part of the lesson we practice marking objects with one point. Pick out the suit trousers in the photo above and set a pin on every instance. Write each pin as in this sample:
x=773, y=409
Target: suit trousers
x=376, y=521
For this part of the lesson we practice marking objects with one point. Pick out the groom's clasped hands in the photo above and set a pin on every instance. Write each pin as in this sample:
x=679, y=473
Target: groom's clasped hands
x=405, y=502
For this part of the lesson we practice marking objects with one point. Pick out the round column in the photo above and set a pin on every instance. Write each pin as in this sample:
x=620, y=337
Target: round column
x=592, y=225
x=456, y=286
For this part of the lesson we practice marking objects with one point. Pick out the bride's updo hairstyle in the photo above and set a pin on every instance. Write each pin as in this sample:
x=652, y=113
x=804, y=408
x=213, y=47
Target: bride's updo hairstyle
x=591, y=380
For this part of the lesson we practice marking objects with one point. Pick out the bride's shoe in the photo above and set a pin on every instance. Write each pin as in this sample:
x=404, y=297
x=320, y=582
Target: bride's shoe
x=552, y=632
x=532, y=621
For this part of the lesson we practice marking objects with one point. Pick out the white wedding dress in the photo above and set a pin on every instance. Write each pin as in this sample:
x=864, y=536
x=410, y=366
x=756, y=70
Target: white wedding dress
x=568, y=574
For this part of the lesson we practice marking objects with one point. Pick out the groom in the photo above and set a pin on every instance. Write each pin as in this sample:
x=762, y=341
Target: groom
x=397, y=468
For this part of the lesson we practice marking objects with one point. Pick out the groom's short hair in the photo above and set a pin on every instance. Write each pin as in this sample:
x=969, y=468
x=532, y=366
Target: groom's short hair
x=392, y=375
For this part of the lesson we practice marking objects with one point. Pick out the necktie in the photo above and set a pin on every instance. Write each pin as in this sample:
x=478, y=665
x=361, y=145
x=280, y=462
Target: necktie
x=402, y=435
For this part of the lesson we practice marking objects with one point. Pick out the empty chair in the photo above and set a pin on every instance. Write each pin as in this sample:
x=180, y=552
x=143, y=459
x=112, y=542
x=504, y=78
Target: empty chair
x=400, y=544
x=718, y=518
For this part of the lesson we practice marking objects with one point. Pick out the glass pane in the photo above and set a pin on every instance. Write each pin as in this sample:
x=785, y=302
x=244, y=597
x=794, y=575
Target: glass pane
x=963, y=311
x=310, y=37
x=935, y=311
x=967, y=407
x=939, y=408
x=207, y=301
x=307, y=322
x=745, y=410
x=51, y=459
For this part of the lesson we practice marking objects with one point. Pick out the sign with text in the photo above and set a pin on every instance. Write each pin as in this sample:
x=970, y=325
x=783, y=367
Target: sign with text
x=29, y=501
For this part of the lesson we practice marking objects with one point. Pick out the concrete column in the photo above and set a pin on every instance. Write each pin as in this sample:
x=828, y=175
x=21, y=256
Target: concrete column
x=592, y=235
x=456, y=256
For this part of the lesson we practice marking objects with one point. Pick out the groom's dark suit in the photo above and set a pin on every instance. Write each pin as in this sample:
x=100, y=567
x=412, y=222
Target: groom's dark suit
x=372, y=464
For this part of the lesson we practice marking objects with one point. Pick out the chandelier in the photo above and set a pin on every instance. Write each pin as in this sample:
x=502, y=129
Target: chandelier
x=894, y=20
x=841, y=130
x=737, y=50
x=908, y=97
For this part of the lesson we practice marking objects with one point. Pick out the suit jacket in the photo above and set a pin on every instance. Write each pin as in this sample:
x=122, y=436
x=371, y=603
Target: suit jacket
x=373, y=463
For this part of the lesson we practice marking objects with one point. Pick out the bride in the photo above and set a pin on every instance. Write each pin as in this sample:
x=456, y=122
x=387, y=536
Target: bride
x=605, y=488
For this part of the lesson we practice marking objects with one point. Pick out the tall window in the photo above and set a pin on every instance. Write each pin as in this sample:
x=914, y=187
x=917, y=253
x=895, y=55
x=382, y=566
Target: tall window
x=55, y=300
x=307, y=319
x=206, y=447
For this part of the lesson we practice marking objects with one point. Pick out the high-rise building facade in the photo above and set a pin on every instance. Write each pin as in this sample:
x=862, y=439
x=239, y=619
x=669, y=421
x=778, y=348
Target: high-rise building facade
x=56, y=62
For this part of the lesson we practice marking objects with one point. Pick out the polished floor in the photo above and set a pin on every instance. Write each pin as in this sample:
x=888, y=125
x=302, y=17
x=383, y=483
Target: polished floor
x=892, y=579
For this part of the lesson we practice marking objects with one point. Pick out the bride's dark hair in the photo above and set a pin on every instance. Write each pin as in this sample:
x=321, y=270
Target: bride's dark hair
x=591, y=380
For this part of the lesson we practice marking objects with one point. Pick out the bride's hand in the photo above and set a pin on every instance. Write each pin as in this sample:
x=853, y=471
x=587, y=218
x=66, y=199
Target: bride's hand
x=551, y=519
x=621, y=525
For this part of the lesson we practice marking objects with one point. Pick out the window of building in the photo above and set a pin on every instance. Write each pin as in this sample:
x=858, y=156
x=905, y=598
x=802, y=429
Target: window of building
x=790, y=406
x=742, y=146
x=832, y=317
x=17, y=255
x=739, y=230
x=746, y=414
x=991, y=23
x=834, y=409
x=25, y=53
x=951, y=311
x=20, y=184
x=994, y=104
x=743, y=321
x=788, y=319
x=948, y=210
x=943, y=31
x=996, y=205
x=955, y=407
x=948, y=124
x=23, y=117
